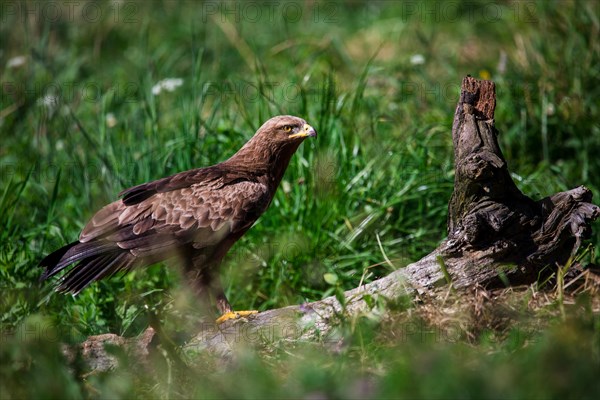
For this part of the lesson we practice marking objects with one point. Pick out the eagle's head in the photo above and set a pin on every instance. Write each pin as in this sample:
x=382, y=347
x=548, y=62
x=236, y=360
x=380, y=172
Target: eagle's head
x=275, y=141
x=273, y=145
x=285, y=129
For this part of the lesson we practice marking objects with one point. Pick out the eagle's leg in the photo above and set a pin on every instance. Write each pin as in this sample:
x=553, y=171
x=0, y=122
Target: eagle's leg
x=206, y=284
x=235, y=315
x=223, y=305
x=199, y=282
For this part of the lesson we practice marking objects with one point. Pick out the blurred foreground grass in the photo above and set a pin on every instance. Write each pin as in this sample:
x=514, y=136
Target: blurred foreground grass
x=79, y=121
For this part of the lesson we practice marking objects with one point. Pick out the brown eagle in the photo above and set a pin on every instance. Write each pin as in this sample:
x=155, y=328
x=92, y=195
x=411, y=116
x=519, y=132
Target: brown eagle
x=194, y=216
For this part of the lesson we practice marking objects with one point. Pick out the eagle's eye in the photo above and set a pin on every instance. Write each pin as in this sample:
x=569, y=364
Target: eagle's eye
x=287, y=128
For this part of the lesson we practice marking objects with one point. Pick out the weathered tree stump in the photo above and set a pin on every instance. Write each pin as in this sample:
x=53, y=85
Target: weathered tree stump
x=496, y=234
x=490, y=222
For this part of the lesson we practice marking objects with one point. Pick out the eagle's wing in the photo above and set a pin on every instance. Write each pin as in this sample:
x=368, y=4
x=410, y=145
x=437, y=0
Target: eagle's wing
x=122, y=236
x=190, y=214
x=209, y=176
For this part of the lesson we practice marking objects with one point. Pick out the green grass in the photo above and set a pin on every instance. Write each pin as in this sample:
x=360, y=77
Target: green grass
x=374, y=185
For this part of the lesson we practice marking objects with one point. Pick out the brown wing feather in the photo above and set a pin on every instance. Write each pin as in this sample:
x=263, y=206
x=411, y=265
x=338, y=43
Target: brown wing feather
x=216, y=175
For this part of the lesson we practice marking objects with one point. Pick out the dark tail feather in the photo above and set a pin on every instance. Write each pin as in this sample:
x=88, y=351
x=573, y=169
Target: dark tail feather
x=52, y=260
x=72, y=253
x=95, y=259
x=80, y=274
x=95, y=268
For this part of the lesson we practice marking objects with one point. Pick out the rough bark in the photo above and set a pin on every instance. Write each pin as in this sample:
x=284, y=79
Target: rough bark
x=496, y=234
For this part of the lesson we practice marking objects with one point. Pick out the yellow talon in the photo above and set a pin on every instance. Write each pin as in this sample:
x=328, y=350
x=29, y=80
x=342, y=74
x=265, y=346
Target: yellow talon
x=234, y=315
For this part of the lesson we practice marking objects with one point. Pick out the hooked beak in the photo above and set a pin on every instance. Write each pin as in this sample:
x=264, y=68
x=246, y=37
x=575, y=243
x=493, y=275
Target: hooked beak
x=307, y=131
